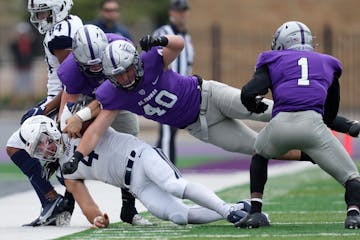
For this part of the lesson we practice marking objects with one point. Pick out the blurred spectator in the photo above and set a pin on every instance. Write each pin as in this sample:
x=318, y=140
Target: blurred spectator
x=22, y=50
x=178, y=17
x=109, y=17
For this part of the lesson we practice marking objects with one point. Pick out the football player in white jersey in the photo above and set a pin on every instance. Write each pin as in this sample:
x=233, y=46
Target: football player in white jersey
x=52, y=18
x=137, y=166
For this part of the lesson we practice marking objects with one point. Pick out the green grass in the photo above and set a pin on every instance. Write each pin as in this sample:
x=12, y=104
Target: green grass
x=10, y=171
x=303, y=206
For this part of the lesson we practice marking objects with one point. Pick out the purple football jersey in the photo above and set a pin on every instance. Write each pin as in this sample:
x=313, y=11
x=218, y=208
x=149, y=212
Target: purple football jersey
x=74, y=80
x=300, y=79
x=162, y=95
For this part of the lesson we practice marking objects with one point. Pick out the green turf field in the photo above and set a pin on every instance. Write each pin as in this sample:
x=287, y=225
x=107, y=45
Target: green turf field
x=306, y=205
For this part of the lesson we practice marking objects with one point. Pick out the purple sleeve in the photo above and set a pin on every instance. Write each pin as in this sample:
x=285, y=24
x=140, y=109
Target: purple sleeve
x=262, y=60
x=71, y=76
x=113, y=37
x=106, y=94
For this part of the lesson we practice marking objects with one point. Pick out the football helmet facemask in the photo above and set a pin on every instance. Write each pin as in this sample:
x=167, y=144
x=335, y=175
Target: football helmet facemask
x=88, y=45
x=119, y=57
x=44, y=14
x=42, y=138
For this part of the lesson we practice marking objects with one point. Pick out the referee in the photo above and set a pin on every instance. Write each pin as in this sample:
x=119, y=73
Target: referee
x=178, y=15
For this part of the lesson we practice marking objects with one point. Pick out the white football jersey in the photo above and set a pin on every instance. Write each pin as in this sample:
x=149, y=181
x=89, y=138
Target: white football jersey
x=107, y=163
x=65, y=28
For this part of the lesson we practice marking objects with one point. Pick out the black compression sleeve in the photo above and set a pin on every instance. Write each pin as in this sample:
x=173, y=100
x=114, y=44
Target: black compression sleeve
x=258, y=85
x=331, y=107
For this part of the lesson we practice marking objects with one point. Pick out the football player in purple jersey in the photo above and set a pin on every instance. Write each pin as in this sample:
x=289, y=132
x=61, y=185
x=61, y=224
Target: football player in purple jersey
x=144, y=84
x=306, y=92
x=81, y=73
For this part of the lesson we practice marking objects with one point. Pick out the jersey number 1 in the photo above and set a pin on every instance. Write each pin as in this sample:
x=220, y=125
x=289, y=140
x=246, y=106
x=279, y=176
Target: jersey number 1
x=303, y=63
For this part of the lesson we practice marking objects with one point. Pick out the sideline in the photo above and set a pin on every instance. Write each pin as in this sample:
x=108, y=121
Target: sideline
x=21, y=208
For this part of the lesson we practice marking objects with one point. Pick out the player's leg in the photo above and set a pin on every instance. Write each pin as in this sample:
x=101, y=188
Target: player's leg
x=227, y=100
x=164, y=174
x=166, y=141
x=331, y=156
x=126, y=122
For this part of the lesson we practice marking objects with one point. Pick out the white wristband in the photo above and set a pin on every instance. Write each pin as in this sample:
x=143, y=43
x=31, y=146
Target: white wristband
x=84, y=114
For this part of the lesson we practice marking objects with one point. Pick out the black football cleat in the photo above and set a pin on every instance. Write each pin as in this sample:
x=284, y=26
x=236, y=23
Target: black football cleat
x=352, y=222
x=254, y=220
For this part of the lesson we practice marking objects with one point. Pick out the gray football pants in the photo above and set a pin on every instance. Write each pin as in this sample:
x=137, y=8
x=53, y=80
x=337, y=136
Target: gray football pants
x=126, y=122
x=222, y=109
x=306, y=131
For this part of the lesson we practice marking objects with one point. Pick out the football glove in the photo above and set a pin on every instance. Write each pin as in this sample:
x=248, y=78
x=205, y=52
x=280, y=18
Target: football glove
x=148, y=41
x=71, y=166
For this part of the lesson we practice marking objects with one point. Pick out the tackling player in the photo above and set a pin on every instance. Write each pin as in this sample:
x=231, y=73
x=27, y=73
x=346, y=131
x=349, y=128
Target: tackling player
x=146, y=86
x=50, y=17
x=306, y=91
x=143, y=170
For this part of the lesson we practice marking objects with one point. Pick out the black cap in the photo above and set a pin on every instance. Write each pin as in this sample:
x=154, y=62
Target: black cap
x=179, y=5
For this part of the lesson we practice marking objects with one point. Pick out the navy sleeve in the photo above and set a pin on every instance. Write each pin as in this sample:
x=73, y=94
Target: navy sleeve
x=61, y=42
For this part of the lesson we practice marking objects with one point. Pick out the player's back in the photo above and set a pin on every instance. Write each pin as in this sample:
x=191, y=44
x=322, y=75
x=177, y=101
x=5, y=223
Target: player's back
x=300, y=79
x=107, y=162
x=60, y=35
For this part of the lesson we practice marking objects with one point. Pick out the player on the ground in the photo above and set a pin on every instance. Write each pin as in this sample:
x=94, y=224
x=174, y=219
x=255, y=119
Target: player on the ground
x=52, y=18
x=306, y=92
x=146, y=86
x=125, y=161
x=81, y=73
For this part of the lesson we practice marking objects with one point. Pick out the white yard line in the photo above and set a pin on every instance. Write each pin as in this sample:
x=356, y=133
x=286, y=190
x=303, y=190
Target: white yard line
x=21, y=208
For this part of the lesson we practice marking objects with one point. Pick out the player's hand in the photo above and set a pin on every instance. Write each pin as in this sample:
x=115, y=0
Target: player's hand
x=32, y=112
x=148, y=41
x=73, y=127
x=260, y=106
x=101, y=221
x=72, y=165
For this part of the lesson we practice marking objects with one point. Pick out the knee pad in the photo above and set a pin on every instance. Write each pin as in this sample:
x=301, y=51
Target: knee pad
x=352, y=192
x=179, y=218
x=175, y=187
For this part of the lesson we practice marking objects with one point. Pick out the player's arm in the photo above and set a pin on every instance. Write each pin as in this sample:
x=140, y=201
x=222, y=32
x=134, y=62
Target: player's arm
x=66, y=98
x=332, y=102
x=88, y=206
x=172, y=46
x=258, y=86
x=172, y=50
x=74, y=123
x=49, y=108
x=90, y=139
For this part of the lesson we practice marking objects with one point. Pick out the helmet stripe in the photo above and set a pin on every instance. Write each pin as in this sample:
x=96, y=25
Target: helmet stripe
x=89, y=43
x=112, y=56
x=302, y=33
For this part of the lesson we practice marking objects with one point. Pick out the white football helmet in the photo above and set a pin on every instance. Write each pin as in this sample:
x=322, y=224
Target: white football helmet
x=58, y=10
x=88, y=45
x=292, y=35
x=118, y=57
x=42, y=138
